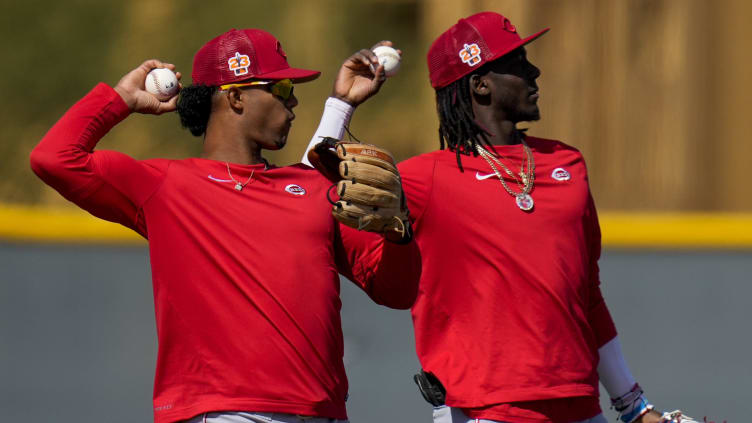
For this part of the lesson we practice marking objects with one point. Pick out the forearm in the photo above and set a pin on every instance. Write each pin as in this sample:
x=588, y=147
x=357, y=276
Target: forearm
x=389, y=273
x=613, y=371
x=626, y=395
x=395, y=282
x=336, y=117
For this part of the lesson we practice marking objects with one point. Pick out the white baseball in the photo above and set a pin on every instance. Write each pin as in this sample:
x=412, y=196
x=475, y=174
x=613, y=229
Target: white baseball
x=389, y=58
x=162, y=83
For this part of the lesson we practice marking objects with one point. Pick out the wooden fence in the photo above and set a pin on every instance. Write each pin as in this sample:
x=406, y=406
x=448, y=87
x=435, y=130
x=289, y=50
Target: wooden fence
x=654, y=92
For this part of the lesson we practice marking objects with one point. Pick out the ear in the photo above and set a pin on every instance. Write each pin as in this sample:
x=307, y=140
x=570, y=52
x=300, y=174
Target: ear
x=479, y=86
x=234, y=99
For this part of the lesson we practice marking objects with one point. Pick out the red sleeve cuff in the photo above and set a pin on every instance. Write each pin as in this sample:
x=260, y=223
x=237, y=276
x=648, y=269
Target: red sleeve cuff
x=118, y=109
x=602, y=324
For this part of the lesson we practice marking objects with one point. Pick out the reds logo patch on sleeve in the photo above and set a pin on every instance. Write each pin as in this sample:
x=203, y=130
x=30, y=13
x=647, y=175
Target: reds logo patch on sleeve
x=470, y=54
x=239, y=63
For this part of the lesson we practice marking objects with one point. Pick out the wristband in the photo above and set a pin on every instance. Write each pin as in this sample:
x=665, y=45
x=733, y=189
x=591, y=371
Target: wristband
x=336, y=117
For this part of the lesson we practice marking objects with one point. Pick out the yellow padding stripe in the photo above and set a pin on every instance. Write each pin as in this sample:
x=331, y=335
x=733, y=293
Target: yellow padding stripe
x=621, y=230
x=24, y=223
x=677, y=230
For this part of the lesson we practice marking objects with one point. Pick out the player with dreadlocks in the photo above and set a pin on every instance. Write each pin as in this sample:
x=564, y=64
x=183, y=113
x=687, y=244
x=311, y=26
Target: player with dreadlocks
x=510, y=324
x=458, y=129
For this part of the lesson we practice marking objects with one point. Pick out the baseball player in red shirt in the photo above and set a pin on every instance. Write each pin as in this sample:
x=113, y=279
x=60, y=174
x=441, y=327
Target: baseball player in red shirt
x=510, y=324
x=245, y=255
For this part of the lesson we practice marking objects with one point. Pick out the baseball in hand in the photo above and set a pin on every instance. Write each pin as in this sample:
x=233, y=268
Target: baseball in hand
x=388, y=57
x=162, y=83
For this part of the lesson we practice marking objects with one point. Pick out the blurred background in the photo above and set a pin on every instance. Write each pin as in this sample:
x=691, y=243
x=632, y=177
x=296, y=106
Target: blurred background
x=654, y=92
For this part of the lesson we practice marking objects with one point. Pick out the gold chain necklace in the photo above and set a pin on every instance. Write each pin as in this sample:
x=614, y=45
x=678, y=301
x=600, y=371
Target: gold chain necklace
x=238, y=185
x=523, y=199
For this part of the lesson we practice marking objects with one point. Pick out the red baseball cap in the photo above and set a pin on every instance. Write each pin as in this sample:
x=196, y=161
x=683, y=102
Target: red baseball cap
x=470, y=43
x=239, y=55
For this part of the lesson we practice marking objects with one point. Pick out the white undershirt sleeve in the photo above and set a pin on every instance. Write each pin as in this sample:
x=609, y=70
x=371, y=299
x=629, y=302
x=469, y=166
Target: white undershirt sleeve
x=613, y=371
x=335, y=118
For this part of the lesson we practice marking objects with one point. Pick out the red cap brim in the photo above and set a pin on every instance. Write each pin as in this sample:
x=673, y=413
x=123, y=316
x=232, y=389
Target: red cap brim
x=512, y=47
x=296, y=75
x=533, y=37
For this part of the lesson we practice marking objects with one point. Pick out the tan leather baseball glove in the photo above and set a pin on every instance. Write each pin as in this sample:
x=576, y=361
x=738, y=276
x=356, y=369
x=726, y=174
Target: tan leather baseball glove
x=368, y=185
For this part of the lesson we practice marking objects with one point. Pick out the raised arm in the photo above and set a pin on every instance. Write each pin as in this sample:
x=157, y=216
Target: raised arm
x=108, y=184
x=359, y=78
x=388, y=272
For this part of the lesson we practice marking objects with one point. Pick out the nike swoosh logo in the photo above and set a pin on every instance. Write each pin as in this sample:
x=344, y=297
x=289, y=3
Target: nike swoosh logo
x=480, y=177
x=219, y=180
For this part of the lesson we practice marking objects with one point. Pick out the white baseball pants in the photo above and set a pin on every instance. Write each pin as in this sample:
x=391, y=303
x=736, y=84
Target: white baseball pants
x=250, y=417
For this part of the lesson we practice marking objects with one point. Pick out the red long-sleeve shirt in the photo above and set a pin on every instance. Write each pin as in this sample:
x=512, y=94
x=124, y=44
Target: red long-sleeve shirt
x=246, y=286
x=509, y=314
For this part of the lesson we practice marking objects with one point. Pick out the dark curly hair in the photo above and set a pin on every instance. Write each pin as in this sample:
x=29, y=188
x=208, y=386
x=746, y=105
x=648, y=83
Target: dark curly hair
x=194, y=107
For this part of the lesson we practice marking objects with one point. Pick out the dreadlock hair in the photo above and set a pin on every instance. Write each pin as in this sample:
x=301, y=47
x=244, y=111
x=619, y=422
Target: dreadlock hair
x=194, y=107
x=458, y=129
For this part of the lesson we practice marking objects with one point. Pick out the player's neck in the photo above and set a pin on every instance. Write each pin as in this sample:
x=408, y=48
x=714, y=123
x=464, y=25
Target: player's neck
x=234, y=156
x=501, y=132
x=231, y=149
x=229, y=140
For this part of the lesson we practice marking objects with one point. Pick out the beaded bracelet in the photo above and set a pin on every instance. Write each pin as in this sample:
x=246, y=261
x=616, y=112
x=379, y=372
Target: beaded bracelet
x=632, y=405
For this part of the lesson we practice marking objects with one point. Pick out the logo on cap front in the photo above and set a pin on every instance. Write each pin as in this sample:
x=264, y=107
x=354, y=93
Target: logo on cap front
x=470, y=54
x=239, y=63
x=280, y=51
